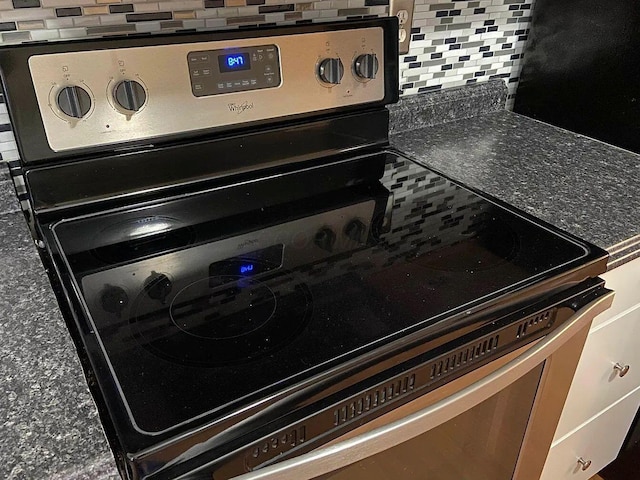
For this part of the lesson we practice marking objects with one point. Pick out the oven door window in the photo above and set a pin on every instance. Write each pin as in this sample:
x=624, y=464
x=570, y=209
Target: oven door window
x=482, y=443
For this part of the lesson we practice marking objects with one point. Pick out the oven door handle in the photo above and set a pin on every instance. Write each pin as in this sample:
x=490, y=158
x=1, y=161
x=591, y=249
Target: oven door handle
x=327, y=459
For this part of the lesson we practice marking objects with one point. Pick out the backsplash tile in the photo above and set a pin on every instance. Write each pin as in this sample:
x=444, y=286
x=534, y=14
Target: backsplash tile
x=465, y=42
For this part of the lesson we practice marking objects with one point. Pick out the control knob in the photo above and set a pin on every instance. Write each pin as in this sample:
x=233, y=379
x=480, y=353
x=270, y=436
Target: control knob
x=366, y=66
x=158, y=286
x=325, y=239
x=355, y=230
x=130, y=95
x=331, y=70
x=74, y=101
x=114, y=299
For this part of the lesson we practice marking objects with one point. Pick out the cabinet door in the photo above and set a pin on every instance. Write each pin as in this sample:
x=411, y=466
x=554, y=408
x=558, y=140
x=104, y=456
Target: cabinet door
x=597, y=384
x=597, y=442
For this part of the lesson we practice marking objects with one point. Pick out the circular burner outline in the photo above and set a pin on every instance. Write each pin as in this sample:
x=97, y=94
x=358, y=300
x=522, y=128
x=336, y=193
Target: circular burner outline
x=227, y=284
x=294, y=326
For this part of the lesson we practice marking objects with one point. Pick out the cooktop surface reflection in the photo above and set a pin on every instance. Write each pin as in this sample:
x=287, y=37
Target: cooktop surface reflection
x=216, y=298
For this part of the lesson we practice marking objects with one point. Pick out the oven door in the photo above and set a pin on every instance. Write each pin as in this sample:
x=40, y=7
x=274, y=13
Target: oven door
x=495, y=423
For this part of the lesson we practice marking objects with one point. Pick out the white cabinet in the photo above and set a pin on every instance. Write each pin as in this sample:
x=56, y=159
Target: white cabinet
x=601, y=403
x=597, y=383
x=596, y=443
x=625, y=281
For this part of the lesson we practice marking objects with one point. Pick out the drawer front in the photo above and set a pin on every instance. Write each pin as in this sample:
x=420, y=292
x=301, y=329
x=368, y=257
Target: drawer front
x=625, y=281
x=596, y=384
x=598, y=442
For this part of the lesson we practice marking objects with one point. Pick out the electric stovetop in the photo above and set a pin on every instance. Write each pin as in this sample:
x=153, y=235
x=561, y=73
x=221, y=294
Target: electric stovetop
x=205, y=302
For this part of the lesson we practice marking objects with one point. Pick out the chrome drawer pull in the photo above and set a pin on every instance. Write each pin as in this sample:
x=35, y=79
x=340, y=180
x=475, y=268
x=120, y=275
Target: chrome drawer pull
x=585, y=464
x=621, y=369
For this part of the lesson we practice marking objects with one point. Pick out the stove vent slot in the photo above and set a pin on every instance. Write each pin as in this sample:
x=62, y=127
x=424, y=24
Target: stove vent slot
x=374, y=398
x=532, y=324
x=445, y=365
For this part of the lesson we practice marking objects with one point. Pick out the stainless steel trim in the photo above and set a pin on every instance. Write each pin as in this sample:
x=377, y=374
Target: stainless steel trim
x=331, y=458
x=172, y=108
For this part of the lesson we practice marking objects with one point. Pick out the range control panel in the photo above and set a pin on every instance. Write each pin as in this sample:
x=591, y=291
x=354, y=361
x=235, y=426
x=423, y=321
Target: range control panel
x=234, y=70
x=109, y=95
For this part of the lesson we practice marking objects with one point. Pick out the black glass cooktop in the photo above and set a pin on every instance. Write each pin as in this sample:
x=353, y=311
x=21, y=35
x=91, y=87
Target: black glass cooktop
x=203, y=302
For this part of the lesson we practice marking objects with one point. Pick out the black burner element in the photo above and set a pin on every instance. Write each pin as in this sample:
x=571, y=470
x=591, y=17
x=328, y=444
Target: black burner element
x=220, y=321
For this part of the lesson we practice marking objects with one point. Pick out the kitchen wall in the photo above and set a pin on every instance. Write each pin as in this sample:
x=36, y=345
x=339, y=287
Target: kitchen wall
x=452, y=44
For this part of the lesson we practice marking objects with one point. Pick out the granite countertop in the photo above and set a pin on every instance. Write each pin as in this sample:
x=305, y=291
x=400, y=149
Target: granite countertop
x=581, y=185
x=50, y=427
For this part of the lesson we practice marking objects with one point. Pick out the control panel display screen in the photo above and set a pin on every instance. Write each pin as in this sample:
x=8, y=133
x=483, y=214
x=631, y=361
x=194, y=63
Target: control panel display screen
x=234, y=62
x=234, y=69
x=249, y=264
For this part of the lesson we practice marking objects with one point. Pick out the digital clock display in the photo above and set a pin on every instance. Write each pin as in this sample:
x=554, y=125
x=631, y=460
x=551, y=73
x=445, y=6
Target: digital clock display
x=248, y=264
x=234, y=62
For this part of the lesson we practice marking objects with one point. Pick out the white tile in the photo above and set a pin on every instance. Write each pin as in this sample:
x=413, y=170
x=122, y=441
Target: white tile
x=73, y=32
x=45, y=35
x=10, y=155
x=65, y=3
x=66, y=22
x=27, y=14
x=87, y=21
x=113, y=19
x=180, y=5
x=7, y=137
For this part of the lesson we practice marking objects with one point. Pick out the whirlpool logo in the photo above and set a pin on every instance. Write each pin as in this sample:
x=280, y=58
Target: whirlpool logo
x=239, y=108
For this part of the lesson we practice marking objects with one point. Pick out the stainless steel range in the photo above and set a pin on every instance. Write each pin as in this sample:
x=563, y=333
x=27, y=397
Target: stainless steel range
x=258, y=287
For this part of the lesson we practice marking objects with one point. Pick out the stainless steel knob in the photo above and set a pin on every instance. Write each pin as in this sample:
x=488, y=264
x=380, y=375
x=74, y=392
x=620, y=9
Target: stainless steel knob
x=331, y=70
x=584, y=464
x=74, y=101
x=621, y=369
x=325, y=239
x=366, y=66
x=130, y=95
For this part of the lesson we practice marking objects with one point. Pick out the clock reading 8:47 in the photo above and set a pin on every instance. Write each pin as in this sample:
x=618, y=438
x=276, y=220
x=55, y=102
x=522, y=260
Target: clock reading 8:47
x=234, y=62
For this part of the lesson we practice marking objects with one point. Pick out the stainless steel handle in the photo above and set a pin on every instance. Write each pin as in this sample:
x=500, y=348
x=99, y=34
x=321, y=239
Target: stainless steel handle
x=328, y=459
x=622, y=370
x=584, y=464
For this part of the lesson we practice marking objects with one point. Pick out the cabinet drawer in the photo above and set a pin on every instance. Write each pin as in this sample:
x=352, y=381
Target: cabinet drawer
x=597, y=441
x=596, y=384
x=625, y=281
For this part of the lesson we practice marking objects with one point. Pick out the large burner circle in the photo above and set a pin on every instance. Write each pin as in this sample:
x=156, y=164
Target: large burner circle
x=222, y=307
x=223, y=320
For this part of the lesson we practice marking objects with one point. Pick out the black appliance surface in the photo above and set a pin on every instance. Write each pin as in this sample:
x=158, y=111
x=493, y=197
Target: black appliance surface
x=192, y=320
x=581, y=69
x=214, y=301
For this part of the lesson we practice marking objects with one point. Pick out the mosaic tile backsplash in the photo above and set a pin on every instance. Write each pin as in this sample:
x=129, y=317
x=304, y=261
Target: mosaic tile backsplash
x=452, y=44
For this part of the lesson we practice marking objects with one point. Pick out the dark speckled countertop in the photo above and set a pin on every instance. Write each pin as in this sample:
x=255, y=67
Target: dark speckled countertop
x=49, y=426
x=583, y=186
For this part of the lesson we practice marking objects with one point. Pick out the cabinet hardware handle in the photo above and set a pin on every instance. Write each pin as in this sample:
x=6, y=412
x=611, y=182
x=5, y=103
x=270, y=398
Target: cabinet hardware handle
x=585, y=464
x=621, y=369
